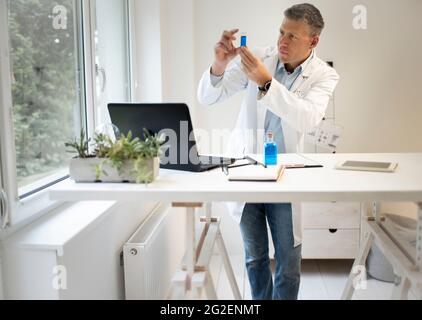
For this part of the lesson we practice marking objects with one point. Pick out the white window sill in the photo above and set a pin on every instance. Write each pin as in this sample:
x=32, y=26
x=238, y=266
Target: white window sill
x=25, y=211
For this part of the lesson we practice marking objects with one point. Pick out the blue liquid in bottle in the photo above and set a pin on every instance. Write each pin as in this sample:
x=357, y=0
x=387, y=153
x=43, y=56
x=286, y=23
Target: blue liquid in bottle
x=243, y=39
x=270, y=150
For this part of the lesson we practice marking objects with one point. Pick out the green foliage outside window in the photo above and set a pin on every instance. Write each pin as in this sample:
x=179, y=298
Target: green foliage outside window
x=45, y=85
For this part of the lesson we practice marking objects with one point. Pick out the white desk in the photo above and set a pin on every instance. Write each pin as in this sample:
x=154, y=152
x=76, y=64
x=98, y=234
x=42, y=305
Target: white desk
x=309, y=184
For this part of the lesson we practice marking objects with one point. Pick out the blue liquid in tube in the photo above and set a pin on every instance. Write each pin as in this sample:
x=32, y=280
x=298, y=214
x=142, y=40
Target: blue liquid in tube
x=243, y=39
x=270, y=150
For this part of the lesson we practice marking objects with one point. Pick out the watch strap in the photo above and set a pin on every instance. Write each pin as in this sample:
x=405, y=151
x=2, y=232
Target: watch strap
x=266, y=86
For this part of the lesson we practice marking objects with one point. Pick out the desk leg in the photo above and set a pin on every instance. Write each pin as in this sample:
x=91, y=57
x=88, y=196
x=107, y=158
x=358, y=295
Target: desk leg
x=195, y=273
x=395, y=256
x=178, y=288
x=419, y=239
x=190, y=245
x=357, y=265
x=227, y=265
x=190, y=255
x=376, y=212
x=401, y=290
x=210, y=288
x=419, y=249
x=202, y=280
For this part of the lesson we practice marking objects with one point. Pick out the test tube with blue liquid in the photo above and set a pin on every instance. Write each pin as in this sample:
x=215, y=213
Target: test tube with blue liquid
x=243, y=39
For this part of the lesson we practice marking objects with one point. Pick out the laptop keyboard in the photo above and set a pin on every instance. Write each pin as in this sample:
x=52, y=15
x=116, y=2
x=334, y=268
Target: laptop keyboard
x=210, y=160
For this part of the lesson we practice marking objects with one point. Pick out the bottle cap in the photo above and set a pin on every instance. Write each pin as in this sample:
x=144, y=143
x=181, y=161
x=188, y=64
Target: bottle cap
x=270, y=135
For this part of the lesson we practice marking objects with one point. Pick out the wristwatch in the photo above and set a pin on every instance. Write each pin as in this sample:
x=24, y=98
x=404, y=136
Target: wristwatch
x=266, y=86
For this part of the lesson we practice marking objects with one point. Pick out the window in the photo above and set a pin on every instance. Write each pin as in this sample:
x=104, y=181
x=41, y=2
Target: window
x=62, y=61
x=46, y=69
x=112, y=56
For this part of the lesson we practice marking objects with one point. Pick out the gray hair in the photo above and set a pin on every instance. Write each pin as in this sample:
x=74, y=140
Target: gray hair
x=307, y=13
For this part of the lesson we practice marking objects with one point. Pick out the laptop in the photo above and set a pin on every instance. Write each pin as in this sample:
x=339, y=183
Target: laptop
x=174, y=121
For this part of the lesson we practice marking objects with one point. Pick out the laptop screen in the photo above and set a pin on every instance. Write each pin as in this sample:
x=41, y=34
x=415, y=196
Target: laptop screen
x=171, y=119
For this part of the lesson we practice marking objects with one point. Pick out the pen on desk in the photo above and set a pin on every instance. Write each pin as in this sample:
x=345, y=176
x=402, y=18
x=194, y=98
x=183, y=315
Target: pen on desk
x=238, y=165
x=299, y=166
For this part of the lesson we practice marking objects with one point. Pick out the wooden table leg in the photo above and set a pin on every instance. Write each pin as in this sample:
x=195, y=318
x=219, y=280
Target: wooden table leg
x=197, y=258
x=359, y=262
x=419, y=239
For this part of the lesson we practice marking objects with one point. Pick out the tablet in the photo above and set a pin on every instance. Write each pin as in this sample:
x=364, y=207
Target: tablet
x=367, y=166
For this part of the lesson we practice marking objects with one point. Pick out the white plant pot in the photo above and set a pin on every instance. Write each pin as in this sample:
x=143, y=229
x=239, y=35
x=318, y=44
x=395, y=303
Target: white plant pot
x=83, y=170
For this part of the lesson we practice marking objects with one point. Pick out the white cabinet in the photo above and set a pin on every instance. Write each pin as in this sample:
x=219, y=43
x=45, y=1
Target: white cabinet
x=330, y=230
x=330, y=215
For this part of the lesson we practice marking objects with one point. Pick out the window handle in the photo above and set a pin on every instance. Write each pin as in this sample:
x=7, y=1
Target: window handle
x=101, y=70
x=4, y=206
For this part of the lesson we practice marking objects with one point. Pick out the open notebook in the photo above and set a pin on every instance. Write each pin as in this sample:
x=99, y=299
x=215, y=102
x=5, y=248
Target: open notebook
x=256, y=173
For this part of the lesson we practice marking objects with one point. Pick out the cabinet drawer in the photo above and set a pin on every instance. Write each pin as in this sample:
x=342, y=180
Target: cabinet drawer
x=336, y=215
x=330, y=244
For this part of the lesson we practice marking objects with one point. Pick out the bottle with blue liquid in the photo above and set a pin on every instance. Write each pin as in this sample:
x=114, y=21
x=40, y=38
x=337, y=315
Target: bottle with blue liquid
x=270, y=150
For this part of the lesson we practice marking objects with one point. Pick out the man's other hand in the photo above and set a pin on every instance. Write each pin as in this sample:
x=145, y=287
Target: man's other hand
x=253, y=67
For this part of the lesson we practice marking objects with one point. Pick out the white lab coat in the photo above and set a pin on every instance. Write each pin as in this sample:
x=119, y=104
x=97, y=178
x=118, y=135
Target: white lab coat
x=300, y=109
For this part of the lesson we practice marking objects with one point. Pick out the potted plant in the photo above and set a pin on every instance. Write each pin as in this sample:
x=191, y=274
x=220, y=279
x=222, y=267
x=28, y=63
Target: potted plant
x=127, y=159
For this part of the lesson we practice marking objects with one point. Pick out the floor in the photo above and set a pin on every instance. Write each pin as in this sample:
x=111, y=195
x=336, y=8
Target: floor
x=320, y=280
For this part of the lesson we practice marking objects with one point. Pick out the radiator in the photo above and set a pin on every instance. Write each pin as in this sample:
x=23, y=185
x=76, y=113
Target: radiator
x=153, y=254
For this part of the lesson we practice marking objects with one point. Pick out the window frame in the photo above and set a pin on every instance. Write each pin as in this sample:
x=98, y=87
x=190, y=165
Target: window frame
x=44, y=183
x=7, y=142
x=33, y=204
x=3, y=205
x=23, y=210
x=90, y=54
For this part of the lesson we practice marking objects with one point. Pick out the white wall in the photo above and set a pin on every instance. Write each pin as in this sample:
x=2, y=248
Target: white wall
x=406, y=209
x=147, y=51
x=377, y=100
x=178, y=58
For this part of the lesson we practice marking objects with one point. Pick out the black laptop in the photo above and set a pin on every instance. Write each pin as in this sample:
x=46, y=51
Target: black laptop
x=171, y=119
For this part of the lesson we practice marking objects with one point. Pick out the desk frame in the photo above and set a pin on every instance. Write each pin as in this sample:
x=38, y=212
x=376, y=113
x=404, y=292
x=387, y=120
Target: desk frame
x=407, y=268
x=194, y=274
x=405, y=185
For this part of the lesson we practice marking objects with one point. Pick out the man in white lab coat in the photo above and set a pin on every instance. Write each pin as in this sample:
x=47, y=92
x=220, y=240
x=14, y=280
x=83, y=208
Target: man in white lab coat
x=287, y=92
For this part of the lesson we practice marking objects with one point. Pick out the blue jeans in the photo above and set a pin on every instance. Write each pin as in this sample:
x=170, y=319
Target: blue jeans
x=253, y=227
